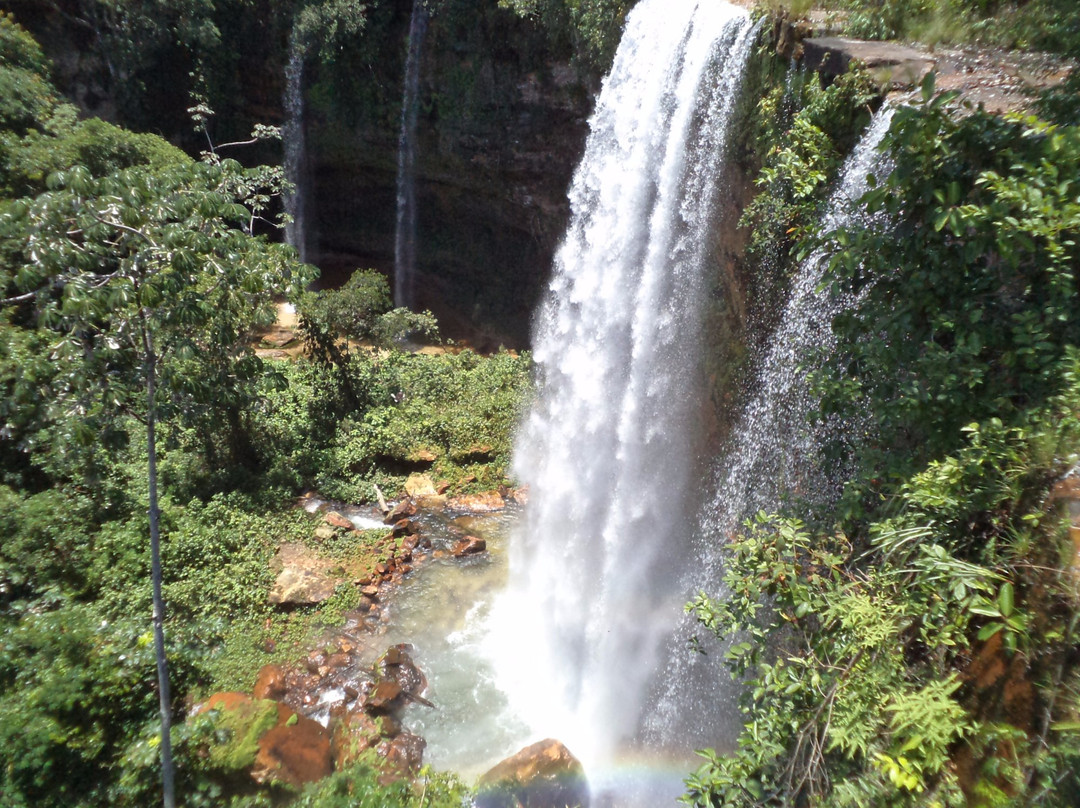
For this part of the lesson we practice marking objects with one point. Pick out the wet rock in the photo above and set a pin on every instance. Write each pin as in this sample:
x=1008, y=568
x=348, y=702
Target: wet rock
x=405, y=753
x=487, y=502
x=544, y=775
x=404, y=527
x=338, y=661
x=397, y=665
x=337, y=520
x=469, y=545
x=267, y=738
x=403, y=510
x=384, y=698
x=354, y=734
x=271, y=683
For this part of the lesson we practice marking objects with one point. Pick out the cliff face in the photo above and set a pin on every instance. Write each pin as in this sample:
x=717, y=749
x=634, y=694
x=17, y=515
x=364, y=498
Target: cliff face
x=502, y=123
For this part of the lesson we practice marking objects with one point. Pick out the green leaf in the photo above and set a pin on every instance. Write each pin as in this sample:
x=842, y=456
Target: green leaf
x=1005, y=599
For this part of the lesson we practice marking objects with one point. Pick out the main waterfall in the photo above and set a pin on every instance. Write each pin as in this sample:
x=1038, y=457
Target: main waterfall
x=610, y=446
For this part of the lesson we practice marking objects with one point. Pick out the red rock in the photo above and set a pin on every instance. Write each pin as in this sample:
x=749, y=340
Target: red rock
x=403, y=527
x=381, y=568
x=338, y=660
x=354, y=734
x=442, y=487
x=469, y=545
x=296, y=751
x=370, y=591
x=403, y=510
x=544, y=775
x=337, y=520
x=405, y=753
x=385, y=697
x=270, y=683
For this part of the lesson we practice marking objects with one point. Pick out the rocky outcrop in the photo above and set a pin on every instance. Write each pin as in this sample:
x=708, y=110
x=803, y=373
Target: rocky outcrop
x=890, y=63
x=544, y=775
x=503, y=123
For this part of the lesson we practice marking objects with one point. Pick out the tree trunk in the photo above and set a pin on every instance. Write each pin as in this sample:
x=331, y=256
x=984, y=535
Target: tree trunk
x=164, y=697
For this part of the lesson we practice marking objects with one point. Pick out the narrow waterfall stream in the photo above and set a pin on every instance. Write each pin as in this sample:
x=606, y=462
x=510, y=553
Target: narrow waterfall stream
x=405, y=229
x=293, y=138
x=776, y=452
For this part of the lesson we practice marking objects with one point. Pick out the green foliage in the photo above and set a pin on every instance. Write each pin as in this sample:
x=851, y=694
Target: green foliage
x=593, y=26
x=803, y=132
x=360, y=311
x=27, y=98
x=327, y=27
x=864, y=649
x=967, y=301
x=461, y=408
x=1052, y=25
x=98, y=146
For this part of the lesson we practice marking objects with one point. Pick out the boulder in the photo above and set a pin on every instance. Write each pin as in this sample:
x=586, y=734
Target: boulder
x=271, y=741
x=271, y=683
x=337, y=520
x=353, y=735
x=419, y=485
x=404, y=753
x=889, y=62
x=397, y=666
x=295, y=752
x=403, y=510
x=302, y=579
x=469, y=545
x=487, y=502
x=385, y=697
x=544, y=775
x=301, y=588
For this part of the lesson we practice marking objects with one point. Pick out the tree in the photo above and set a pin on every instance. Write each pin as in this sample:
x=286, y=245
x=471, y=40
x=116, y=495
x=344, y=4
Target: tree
x=147, y=280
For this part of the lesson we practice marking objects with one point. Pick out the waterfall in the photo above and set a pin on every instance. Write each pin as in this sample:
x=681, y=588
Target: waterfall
x=611, y=444
x=776, y=452
x=405, y=230
x=293, y=137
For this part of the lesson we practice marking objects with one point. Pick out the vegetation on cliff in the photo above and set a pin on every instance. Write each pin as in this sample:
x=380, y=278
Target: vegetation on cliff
x=916, y=643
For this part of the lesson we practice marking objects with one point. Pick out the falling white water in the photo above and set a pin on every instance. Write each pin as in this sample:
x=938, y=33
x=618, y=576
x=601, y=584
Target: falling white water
x=405, y=230
x=611, y=444
x=776, y=452
x=293, y=139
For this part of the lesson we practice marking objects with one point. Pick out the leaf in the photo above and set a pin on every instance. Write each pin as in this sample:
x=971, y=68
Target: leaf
x=1006, y=598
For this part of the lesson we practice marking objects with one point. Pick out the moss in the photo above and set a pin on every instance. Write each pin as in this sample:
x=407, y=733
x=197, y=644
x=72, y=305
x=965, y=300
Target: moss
x=243, y=725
